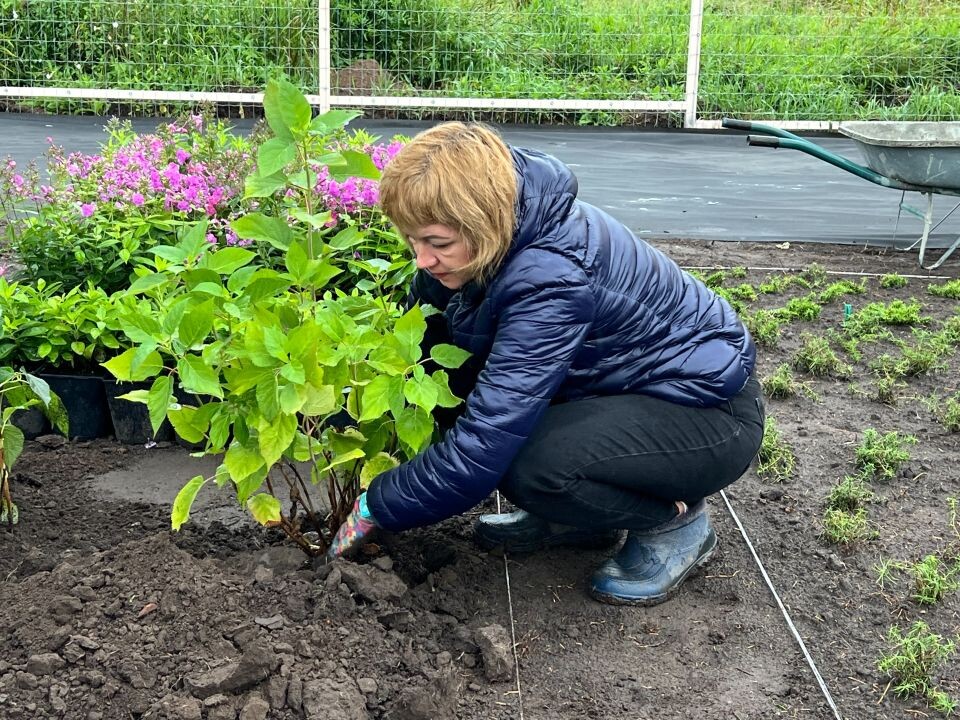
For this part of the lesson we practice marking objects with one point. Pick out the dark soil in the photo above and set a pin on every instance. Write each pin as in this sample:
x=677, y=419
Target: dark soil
x=104, y=613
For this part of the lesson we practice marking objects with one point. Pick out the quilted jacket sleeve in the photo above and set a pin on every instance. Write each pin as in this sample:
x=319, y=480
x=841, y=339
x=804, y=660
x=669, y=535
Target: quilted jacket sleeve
x=544, y=315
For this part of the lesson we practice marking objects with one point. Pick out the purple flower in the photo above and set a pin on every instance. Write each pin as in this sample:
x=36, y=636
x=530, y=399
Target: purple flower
x=182, y=156
x=137, y=199
x=88, y=209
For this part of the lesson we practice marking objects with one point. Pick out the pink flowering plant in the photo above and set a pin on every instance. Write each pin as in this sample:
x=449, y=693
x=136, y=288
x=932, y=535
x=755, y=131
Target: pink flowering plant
x=306, y=383
x=99, y=215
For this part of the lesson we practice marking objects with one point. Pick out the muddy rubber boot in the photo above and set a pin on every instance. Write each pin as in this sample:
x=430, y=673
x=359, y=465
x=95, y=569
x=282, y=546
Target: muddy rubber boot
x=653, y=563
x=522, y=532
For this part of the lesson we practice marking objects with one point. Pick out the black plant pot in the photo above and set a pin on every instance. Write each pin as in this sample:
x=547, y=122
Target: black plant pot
x=131, y=420
x=85, y=401
x=32, y=422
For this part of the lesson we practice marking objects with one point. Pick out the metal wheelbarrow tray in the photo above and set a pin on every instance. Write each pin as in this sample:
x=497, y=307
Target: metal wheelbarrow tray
x=921, y=157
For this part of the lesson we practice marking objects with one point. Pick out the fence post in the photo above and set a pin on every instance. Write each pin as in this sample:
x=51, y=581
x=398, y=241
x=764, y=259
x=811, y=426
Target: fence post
x=693, y=63
x=323, y=54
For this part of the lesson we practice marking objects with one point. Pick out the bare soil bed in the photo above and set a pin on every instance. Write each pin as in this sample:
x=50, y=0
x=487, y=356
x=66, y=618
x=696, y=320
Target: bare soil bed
x=105, y=613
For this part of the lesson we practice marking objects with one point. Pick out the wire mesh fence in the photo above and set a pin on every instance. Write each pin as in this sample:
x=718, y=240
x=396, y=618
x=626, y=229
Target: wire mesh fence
x=828, y=60
x=583, y=61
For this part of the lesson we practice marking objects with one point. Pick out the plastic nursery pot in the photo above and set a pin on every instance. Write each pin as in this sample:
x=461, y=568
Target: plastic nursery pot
x=131, y=420
x=85, y=401
x=32, y=423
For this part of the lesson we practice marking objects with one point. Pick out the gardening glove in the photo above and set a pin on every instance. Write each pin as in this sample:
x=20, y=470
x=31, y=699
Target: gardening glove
x=357, y=528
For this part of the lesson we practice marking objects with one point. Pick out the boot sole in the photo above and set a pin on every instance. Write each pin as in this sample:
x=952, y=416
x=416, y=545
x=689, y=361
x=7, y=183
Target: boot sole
x=584, y=543
x=656, y=599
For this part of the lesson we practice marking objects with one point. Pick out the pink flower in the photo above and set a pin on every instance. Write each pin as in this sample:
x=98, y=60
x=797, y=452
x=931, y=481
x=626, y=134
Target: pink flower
x=137, y=199
x=182, y=156
x=88, y=209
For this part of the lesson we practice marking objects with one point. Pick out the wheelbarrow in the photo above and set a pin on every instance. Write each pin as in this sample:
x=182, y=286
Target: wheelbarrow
x=921, y=157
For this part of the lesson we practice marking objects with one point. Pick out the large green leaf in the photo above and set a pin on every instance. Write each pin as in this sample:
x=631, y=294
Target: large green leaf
x=265, y=508
x=320, y=401
x=287, y=110
x=148, y=282
x=262, y=228
x=39, y=386
x=422, y=392
x=227, y=260
x=258, y=186
x=158, y=400
x=275, y=437
x=134, y=365
x=196, y=324
x=379, y=463
x=333, y=120
x=184, y=420
x=12, y=444
x=381, y=394
x=347, y=457
x=275, y=154
x=359, y=164
x=409, y=330
x=414, y=427
x=184, y=501
x=242, y=462
x=445, y=398
x=198, y=377
x=448, y=356
x=268, y=397
x=347, y=238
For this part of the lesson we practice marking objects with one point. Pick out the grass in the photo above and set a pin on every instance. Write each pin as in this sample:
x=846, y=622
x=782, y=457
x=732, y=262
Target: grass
x=893, y=281
x=912, y=660
x=850, y=494
x=764, y=326
x=776, y=461
x=842, y=527
x=816, y=357
x=949, y=289
x=950, y=415
x=933, y=579
x=882, y=455
x=780, y=59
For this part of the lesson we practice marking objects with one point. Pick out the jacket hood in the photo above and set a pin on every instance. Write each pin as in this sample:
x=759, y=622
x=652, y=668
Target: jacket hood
x=546, y=190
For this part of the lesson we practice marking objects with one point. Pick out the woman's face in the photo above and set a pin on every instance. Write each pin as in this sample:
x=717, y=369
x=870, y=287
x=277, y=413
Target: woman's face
x=441, y=251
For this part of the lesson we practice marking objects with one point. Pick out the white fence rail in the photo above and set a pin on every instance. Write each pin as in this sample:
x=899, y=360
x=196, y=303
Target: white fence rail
x=692, y=60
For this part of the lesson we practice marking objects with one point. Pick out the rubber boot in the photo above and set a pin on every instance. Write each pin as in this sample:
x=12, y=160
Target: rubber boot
x=653, y=563
x=521, y=532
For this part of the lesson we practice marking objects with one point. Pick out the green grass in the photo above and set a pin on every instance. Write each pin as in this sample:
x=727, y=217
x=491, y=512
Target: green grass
x=882, y=455
x=779, y=59
x=912, y=659
x=776, y=461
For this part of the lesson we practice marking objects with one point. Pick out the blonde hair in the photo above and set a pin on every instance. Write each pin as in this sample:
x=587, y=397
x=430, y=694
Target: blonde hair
x=459, y=175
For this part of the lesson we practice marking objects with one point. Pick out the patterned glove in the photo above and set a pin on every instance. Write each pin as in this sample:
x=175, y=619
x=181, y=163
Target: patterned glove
x=358, y=526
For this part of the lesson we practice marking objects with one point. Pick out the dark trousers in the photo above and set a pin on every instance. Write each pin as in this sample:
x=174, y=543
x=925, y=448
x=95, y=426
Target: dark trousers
x=620, y=462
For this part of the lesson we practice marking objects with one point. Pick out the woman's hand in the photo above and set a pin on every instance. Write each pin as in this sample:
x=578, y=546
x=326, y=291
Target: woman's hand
x=356, y=529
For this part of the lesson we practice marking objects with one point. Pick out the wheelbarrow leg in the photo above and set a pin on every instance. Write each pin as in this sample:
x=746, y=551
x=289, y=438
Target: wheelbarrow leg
x=927, y=219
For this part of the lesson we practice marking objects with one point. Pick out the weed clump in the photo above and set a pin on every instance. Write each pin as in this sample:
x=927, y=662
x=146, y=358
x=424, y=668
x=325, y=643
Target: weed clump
x=764, y=327
x=933, y=579
x=816, y=357
x=850, y=494
x=950, y=416
x=893, y=281
x=805, y=308
x=842, y=288
x=949, y=289
x=912, y=660
x=776, y=460
x=882, y=455
x=842, y=527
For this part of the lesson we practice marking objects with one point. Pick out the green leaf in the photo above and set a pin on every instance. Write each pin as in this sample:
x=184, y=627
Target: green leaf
x=268, y=397
x=258, y=186
x=275, y=437
x=320, y=401
x=148, y=282
x=292, y=398
x=318, y=221
x=142, y=329
x=39, y=386
x=275, y=154
x=333, y=120
x=12, y=444
x=265, y=508
x=448, y=356
x=409, y=330
x=242, y=462
x=171, y=321
x=220, y=428
x=135, y=364
x=415, y=427
x=227, y=260
x=347, y=238
x=250, y=484
x=445, y=398
x=323, y=273
x=340, y=443
x=158, y=400
x=359, y=165
x=422, y=392
x=381, y=394
x=184, y=501
x=287, y=110
x=196, y=324
x=198, y=377
x=260, y=227
x=379, y=463
x=188, y=423
x=297, y=262
x=349, y=456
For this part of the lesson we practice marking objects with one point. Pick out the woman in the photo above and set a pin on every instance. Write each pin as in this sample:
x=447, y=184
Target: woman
x=614, y=391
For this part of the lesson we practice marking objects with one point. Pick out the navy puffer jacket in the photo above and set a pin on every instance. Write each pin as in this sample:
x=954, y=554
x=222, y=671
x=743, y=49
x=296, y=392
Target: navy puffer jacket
x=579, y=308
